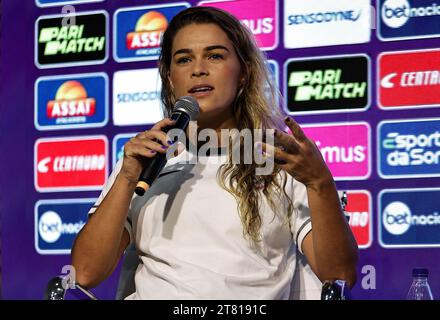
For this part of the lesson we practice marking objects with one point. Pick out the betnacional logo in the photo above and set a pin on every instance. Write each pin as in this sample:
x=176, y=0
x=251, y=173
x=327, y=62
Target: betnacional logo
x=408, y=19
x=409, y=79
x=261, y=17
x=409, y=148
x=70, y=163
x=327, y=84
x=136, y=97
x=138, y=31
x=118, y=145
x=58, y=44
x=409, y=218
x=58, y=222
x=74, y=101
x=345, y=147
x=51, y=3
x=359, y=210
x=336, y=22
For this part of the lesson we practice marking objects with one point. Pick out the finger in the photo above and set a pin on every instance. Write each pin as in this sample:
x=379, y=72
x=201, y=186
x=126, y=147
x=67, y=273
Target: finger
x=287, y=142
x=159, y=136
x=151, y=144
x=276, y=153
x=135, y=150
x=163, y=123
x=295, y=128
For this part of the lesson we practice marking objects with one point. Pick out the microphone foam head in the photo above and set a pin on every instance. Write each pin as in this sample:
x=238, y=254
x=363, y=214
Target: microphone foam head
x=189, y=105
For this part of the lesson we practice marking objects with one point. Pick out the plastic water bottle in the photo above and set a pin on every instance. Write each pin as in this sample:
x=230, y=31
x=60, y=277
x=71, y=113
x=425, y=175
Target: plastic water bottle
x=420, y=289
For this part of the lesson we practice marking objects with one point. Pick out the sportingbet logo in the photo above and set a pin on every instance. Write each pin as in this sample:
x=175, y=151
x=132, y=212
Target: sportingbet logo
x=340, y=22
x=75, y=101
x=408, y=19
x=345, y=148
x=261, y=17
x=409, y=79
x=409, y=148
x=327, y=84
x=58, y=222
x=135, y=99
x=70, y=164
x=359, y=209
x=59, y=45
x=138, y=31
x=409, y=218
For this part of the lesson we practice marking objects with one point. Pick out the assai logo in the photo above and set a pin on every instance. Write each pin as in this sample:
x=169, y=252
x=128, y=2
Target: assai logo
x=118, y=145
x=409, y=148
x=409, y=218
x=345, y=147
x=58, y=222
x=408, y=19
x=138, y=31
x=50, y=3
x=136, y=97
x=327, y=84
x=82, y=43
x=409, y=79
x=74, y=101
x=359, y=209
x=336, y=23
x=261, y=17
x=71, y=163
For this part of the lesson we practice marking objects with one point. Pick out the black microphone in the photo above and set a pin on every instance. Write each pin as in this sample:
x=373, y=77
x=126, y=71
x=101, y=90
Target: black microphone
x=185, y=109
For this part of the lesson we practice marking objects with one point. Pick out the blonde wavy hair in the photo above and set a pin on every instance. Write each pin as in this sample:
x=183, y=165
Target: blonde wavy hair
x=252, y=109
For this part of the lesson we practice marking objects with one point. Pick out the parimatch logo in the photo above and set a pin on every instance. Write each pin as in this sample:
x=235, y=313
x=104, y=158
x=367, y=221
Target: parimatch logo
x=59, y=43
x=327, y=84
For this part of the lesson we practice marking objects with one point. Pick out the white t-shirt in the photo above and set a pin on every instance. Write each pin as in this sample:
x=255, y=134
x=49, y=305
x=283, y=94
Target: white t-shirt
x=189, y=237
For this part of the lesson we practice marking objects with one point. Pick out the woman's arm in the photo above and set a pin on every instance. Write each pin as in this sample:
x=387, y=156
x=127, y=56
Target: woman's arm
x=102, y=241
x=330, y=247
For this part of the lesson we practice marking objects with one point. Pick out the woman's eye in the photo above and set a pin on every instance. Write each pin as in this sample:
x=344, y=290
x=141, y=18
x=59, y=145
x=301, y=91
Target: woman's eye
x=216, y=56
x=183, y=60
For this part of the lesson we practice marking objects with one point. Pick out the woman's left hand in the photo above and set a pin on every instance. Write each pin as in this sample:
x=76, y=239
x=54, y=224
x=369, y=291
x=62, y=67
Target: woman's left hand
x=299, y=156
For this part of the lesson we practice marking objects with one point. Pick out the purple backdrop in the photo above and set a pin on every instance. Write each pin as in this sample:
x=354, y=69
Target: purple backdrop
x=25, y=272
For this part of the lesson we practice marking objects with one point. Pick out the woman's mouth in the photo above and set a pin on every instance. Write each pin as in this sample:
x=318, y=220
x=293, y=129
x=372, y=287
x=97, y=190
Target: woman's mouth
x=201, y=90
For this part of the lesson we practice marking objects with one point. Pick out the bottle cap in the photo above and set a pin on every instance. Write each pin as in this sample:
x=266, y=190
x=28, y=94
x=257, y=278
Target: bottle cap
x=420, y=272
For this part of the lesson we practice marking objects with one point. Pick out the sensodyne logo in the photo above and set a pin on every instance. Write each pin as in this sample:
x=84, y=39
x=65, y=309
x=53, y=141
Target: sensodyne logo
x=324, y=17
x=396, y=13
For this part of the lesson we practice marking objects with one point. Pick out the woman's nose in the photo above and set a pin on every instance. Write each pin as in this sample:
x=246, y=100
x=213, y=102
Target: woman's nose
x=200, y=69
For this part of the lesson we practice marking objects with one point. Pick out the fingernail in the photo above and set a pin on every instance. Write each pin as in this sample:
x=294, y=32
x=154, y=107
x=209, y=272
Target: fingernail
x=287, y=119
x=164, y=147
x=170, y=142
x=152, y=151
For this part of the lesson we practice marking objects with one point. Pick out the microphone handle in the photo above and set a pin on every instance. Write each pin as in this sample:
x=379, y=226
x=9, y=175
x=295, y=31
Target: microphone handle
x=154, y=165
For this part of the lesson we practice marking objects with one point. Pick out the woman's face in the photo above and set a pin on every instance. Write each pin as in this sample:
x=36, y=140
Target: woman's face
x=204, y=65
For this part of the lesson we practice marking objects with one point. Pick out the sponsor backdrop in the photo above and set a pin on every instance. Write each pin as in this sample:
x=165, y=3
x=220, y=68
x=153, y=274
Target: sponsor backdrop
x=362, y=77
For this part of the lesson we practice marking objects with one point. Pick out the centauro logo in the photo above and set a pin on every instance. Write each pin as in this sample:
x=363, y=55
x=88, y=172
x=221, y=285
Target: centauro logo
x=84, y=42
x=148, y=31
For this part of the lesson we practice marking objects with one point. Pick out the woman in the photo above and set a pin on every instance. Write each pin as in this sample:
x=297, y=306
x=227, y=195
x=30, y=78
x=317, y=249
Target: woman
x=218, y=231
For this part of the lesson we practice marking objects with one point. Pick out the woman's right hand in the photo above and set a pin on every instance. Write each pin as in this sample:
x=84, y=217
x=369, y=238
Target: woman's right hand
x=144, y=145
